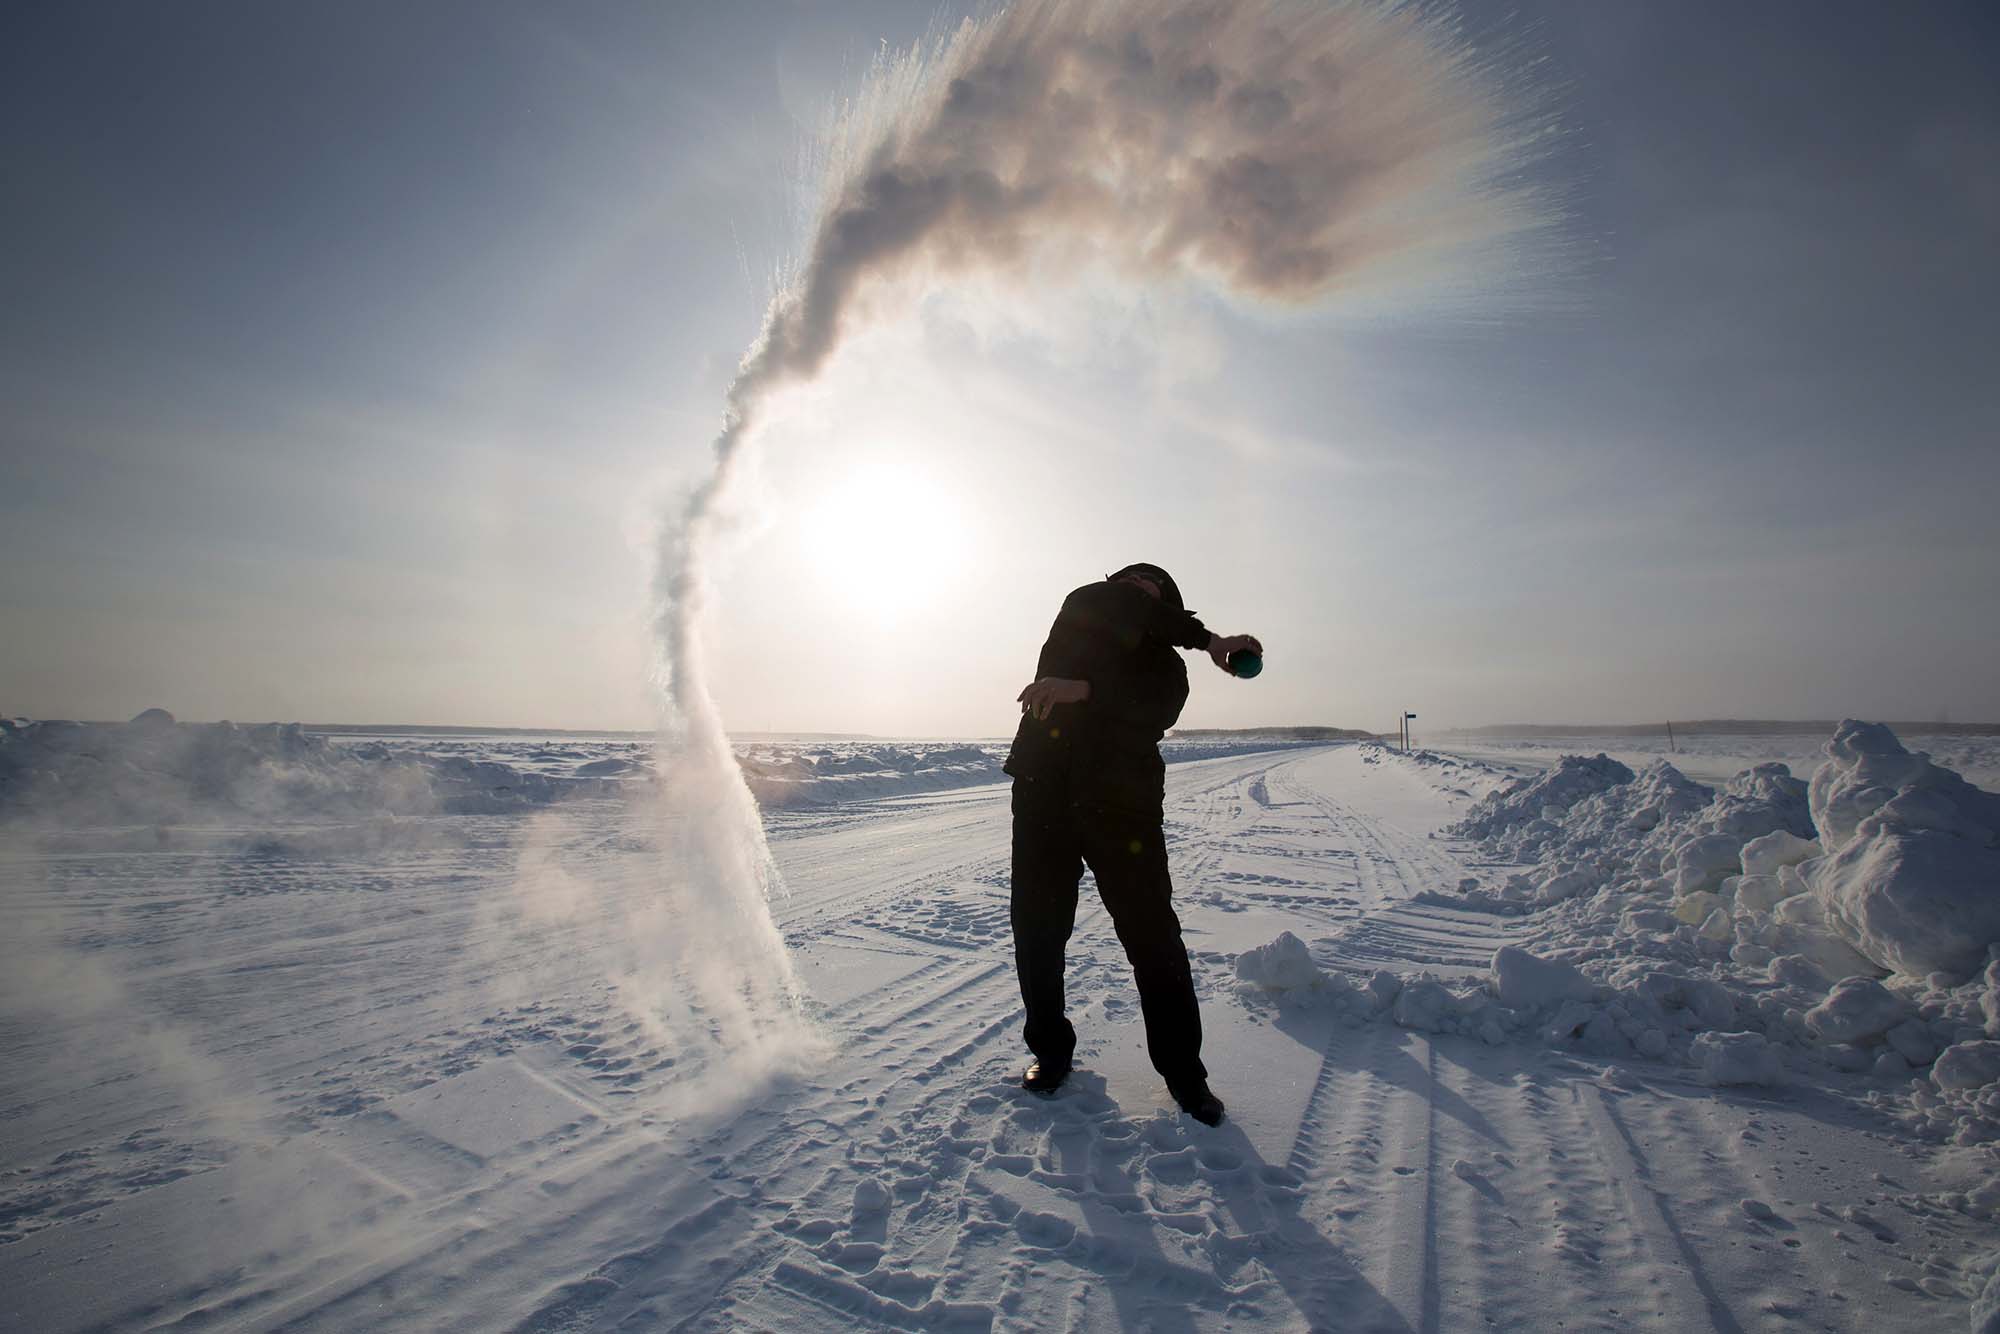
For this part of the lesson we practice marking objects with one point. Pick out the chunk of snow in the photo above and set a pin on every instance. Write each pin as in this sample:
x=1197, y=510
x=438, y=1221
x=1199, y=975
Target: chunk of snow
x=870, y=1197
x=1694, y=908
x=1521, y=981
x=1428, y=1006
x=1829, y=953
x=1564, y=885
x=1706, y=1001
x=1858, y=1008
x=1283, y=965
x=1912, y=1041
x=1569, y=1022
x=1967, y=1065
x=1703, y=862
x=1759, y=893
x=1647, y=921
x=1383, y=986
x=1736, y=1058
x=1761, y=800
x=1913, y=876
x=1780, y=847
x=1752, y=956
x=1796, y=970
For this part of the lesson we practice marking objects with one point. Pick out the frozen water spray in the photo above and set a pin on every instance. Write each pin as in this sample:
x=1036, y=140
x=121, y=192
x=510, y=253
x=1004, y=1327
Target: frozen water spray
x=1277, y=152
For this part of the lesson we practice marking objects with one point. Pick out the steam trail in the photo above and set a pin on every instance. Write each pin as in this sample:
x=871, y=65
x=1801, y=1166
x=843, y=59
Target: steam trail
x=1279, y=152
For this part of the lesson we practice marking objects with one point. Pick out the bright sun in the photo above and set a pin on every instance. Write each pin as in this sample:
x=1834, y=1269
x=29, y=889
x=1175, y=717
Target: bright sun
x=886, y=540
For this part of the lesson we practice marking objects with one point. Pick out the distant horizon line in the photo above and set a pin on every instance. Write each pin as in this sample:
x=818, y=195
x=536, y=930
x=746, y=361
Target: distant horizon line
x=1710, y=726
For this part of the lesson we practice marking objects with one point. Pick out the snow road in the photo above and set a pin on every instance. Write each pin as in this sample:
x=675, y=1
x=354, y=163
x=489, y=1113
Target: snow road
x=379, y=1103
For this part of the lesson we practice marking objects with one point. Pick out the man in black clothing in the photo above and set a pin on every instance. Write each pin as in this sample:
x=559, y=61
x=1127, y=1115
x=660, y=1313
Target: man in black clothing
x=1089, y=786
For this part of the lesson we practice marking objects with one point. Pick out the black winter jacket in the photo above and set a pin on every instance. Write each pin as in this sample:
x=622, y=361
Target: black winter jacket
x=1105, y=751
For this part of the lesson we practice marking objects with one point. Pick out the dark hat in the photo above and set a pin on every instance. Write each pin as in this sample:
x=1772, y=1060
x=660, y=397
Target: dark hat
x=1170, y=592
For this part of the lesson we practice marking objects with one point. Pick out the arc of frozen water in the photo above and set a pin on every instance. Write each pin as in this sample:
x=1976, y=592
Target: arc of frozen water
x=1279, y=151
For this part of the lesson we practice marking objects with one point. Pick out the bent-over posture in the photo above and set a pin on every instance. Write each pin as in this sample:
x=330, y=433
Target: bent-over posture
x=1089, y=786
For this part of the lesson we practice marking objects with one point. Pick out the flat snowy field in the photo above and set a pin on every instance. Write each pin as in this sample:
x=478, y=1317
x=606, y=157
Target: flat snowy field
x=373, y=1071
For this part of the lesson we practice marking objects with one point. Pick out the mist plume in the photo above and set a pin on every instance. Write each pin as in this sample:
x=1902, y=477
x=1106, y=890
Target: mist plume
x=1275, y=152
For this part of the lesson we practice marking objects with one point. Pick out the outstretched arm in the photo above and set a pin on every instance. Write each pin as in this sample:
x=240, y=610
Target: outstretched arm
x=1221, y=646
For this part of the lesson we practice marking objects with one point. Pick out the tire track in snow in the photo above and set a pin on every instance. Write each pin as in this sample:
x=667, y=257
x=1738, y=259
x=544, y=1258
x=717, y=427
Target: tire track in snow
x=973, y=1007
x=1410, y=1277
x=1649, y=1209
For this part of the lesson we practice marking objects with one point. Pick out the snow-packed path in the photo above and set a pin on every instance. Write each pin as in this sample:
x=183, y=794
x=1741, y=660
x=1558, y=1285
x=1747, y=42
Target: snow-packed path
x=454, y=1162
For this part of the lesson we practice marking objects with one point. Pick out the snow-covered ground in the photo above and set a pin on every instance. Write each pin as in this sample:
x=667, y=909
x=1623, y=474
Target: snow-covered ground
x=355, y=1034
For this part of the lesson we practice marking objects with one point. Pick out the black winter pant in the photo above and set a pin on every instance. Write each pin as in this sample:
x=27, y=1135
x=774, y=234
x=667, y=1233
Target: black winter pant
x=1053, y=841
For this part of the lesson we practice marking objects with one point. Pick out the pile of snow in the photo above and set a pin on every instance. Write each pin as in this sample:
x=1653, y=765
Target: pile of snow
x=1454, y=774
x=1183, y=749
x=1530, y=807
x=1849, y=927
x=1284, y=965
x=799, y=776
x=1912, y=873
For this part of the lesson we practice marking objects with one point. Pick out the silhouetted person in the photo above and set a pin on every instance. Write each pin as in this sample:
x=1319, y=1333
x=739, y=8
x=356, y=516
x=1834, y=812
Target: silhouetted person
x=1089, y=785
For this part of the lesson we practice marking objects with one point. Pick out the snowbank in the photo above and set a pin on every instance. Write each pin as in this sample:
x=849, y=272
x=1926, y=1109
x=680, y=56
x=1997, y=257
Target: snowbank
x=155, y=771
x=1536, y=803
x=1841, y=928
x=799, y=776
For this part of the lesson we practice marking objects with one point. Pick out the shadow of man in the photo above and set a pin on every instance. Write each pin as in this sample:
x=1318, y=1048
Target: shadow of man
x=1248, y=1238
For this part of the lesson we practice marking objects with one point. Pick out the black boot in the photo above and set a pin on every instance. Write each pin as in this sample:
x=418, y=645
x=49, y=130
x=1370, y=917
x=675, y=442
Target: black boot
x=1197, y=1101
x=1045, y=1077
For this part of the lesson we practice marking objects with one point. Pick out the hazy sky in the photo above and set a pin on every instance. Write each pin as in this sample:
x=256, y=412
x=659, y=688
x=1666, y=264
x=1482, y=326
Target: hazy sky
x=348, y=351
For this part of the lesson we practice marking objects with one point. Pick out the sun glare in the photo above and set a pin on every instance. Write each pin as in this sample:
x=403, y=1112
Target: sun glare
x=886, y=541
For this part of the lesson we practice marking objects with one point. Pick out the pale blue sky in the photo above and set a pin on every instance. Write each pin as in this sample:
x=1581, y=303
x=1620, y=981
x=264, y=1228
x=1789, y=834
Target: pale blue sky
x=348, y=348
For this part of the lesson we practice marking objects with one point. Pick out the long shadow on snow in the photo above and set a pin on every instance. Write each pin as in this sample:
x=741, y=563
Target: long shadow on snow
x=1390, y=1062
x=1153, y=1290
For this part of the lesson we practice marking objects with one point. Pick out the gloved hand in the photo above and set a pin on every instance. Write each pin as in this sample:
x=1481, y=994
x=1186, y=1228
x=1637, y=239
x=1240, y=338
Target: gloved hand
x=1221, y=646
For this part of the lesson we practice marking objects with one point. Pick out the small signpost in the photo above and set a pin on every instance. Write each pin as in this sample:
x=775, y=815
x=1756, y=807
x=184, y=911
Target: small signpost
x=1408, y=718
